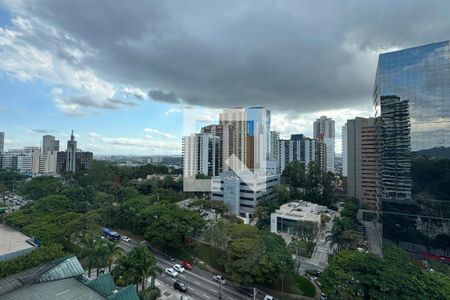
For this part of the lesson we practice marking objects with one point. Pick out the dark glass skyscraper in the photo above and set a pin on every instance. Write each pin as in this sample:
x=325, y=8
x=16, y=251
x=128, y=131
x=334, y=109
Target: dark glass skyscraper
x=421, y=75
x=412, y=97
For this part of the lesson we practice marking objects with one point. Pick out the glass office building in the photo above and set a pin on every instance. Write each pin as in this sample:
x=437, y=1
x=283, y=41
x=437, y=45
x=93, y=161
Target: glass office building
x=421, y=75
x=417, y=81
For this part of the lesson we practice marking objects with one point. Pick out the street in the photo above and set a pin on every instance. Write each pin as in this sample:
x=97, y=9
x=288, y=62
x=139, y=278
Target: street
x=200, y=283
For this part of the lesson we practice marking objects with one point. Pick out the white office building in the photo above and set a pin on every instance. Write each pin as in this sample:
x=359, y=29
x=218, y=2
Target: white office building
x=302, y=149
x=201, y=155
x=284, y=219
x=241, y=192
x=324, y=130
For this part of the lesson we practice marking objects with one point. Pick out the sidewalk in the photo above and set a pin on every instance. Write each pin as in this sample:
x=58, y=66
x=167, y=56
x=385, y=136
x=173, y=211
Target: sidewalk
x=168, y=292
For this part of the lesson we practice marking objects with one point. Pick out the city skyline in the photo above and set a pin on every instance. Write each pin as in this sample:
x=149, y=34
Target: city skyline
x=137, y=108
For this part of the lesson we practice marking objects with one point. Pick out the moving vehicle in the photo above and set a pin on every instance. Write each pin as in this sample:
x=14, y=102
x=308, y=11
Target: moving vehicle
x=178, y=268
x=110, y=234
x=268, y=297
x=248, y=291
x=323, y=296
x=171, y=272
x=125, y=238
x=180, y=285
x=219, y=279
x=169, y=257
x=187, y=265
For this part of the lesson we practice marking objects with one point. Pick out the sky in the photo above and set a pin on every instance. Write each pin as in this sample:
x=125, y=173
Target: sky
x=121, y=74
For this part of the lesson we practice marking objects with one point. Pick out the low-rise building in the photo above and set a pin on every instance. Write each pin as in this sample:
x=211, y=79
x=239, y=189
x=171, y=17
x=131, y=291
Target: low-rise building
x=241, y=192
x=284, y=219
x=14, y=243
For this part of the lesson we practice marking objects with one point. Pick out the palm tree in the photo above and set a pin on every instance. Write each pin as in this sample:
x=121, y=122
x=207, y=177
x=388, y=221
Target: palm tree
x=99, y=254
x=113, y=251
x=87, y=244
x=137, y=266
x=145, y=264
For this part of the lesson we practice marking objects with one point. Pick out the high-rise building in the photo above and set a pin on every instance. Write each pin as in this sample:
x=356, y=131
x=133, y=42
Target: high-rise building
x=201, y=155
x=421, y=75
x=274, y=140
x=2, y=142
x=71, y=155
x=354, y=129
x=83, y=160
x=371, y=141
x=49, y=144
x=395, y=150
x=24, y=162
x=217, y=130
x=47, y=163
x=302, y=149
x=234, y=139
x=258, y=137
x=344, y=152
x=324, y=130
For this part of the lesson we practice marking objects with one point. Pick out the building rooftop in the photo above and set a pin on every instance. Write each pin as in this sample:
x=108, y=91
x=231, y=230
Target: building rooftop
x=12, y=240
x=301, y=210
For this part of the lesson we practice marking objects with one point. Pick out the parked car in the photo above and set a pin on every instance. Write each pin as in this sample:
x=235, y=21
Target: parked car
x=171, y=272
x=125, y=239
x=323, y=296
x=187, y=265
x=178, y=268
x=219, y=279
x=268, y=297
x=248, y=291
x=180, y=285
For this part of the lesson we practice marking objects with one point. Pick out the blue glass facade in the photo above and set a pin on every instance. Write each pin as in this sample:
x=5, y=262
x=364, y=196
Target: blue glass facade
x=421, y=75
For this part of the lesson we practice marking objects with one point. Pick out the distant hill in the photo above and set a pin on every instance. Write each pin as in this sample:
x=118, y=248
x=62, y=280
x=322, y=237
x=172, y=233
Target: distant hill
x=439, y=152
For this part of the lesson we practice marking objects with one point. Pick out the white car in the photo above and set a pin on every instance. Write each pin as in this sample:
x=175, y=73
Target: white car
x=125, y=238
x=220, y=279
x=178, y=268
x=171, y=272
x=268, y=297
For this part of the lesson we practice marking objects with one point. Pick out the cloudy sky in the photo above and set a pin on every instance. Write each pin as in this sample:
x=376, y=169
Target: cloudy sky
x=120, y=73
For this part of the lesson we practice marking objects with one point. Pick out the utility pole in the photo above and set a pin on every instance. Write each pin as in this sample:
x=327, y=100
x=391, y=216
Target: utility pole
x=220, y=289
x=254, y=293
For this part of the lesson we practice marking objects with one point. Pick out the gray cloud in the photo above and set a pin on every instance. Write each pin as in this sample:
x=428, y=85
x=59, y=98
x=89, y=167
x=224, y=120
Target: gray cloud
x=287, y=55
x=159, y=95
x=87, y=101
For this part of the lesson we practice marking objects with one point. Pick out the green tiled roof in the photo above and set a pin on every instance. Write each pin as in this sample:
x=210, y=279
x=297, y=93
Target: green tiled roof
x=127, y=293
x=104, y=285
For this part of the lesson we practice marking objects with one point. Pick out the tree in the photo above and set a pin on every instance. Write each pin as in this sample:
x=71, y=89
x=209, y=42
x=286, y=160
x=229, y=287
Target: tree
x=167, y=225
x=87, y=244
x=32, y=259
x=42, y=186
x=294, y=174
x=356, y=275
x=306, y=231
x=3, y=190
x=137, y=266
x=255, y=256
x=442, y=241
x=112, y=252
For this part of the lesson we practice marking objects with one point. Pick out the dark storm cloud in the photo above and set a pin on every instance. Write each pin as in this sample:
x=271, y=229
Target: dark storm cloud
x=159, y=95
x=287, y=55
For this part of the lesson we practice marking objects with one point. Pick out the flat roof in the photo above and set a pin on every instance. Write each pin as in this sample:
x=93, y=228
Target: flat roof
x=12, y=240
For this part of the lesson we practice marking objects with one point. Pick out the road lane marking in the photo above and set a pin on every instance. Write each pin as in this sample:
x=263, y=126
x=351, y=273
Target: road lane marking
x=206, y=296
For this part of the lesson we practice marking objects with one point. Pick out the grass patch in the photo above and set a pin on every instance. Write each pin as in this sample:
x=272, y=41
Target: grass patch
x=209, y=255
x=294, y=284
x=304, y=285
